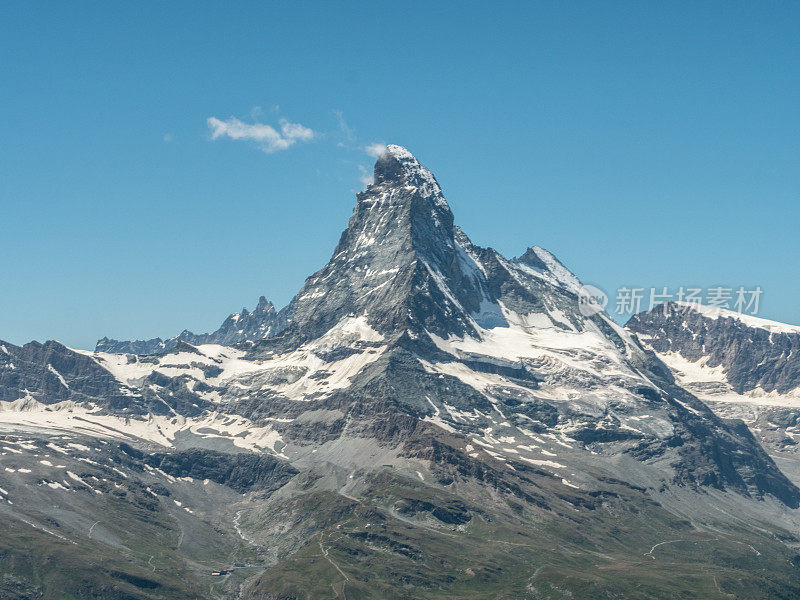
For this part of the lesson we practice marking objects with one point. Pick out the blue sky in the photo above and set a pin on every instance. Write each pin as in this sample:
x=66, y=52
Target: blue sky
x=645, y=144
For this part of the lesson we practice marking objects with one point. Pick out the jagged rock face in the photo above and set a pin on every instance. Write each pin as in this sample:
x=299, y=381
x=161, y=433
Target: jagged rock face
x=741, y=366
x=151, y=346
x=241, y=472
x=238, y=327
x=752, y=354
x=51, y=372
x=398, y=245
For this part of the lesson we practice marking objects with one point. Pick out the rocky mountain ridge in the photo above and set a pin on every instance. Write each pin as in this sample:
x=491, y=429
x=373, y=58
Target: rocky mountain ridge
x=238, y=327
x=753, y=354
x=741, y=366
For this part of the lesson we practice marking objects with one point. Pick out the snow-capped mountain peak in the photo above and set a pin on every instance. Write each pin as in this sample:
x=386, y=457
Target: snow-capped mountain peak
x=398, y=165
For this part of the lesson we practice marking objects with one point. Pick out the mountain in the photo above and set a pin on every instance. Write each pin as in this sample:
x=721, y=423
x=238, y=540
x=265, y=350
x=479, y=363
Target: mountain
x=426, y=419
x=742, y=366
x=261, y=323
x=748, y=355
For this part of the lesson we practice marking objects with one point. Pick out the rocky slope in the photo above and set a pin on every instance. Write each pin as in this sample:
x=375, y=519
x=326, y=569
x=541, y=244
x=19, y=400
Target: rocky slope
x=741, y=366
x=751, y=355
x=425, y=404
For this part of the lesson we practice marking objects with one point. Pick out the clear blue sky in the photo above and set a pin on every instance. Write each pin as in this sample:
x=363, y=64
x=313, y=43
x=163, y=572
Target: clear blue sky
x=643, y=143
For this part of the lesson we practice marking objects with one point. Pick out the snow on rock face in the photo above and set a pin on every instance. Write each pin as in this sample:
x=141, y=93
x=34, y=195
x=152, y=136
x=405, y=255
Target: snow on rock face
x=717, y=312
x=214, y=372
x=539, y=262
x=210, y=362
x=742, y=366
x=536, y=340
x=51, y=372
x=587, y=381
x=397, y=163
x=739, y=353
x=163, y=430
x=710, y=384
x=320, y=367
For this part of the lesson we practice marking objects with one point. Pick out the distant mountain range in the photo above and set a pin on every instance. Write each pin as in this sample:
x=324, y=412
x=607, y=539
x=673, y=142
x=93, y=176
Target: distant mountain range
x=425, y=419
x=238, y=327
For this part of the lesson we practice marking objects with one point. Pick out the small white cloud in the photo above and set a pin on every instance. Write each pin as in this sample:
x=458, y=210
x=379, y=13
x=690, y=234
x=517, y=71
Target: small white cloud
x=366, y=176
x=374, y=150
x=348, y=132
x=268, y=138
x=295, y=131
x=168, y=137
